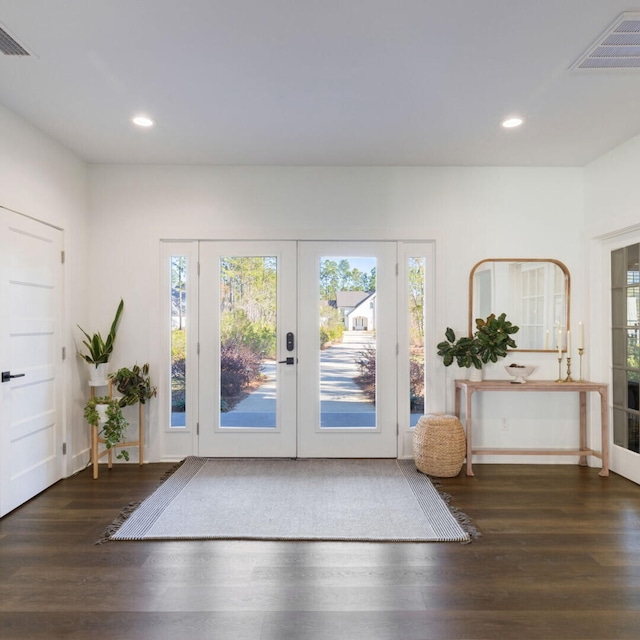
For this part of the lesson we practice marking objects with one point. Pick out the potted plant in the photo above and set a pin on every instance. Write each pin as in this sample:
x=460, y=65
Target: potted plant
x=99, y=349
x=489, y=343
x=106, y=414
x=134, y=384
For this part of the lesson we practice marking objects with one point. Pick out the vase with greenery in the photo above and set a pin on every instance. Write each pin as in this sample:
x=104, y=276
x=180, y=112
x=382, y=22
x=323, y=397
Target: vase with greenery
x=134, y=384
x=112, y=426
x=99, y=349
x=492, y=339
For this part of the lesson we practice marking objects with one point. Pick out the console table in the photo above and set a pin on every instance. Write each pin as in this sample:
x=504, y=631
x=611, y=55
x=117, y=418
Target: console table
x=533, y=386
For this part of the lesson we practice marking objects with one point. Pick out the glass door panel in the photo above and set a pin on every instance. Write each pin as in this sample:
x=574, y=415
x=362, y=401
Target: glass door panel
x=248, y=340
x=347, y=321
x=416, y=284
x=178, y=373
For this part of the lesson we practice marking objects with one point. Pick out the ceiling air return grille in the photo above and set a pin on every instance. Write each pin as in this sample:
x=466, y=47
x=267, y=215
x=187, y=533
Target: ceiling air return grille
x=617, y=48
x=10, y=46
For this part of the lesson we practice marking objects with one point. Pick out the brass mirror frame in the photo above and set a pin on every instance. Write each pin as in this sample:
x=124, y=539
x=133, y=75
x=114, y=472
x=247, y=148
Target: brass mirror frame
x=567, y=292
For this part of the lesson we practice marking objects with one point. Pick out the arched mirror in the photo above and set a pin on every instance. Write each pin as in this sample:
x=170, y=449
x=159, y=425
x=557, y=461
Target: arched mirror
x=534, y=293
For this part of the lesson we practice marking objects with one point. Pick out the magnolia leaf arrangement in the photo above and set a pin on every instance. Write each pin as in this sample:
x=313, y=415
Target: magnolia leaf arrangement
x=114, y=428
x=490, y=342
x=100, y=349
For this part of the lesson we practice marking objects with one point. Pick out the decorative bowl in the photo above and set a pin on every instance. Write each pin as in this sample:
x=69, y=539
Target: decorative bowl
x=519, y=372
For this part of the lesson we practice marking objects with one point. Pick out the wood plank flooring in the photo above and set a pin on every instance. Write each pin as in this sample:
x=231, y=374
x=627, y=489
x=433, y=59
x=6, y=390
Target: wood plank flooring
x=559, y=558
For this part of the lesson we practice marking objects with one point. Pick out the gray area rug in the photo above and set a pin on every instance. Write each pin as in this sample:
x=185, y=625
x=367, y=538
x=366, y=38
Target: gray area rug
x=283, y=499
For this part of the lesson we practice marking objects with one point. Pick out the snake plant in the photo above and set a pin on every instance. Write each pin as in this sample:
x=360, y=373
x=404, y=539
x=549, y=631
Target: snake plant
x=100, y=349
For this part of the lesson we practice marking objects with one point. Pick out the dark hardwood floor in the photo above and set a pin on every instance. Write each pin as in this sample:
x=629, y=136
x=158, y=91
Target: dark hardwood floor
x=559, y=558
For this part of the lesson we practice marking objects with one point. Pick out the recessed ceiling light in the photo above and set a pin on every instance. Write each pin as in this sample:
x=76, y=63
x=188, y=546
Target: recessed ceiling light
x=142, y=121
x=510, y=123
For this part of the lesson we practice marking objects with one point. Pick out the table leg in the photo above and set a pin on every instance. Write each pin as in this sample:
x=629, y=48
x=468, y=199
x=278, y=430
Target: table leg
x=604, y=423
x=583, y=427
x=94, y=451
x=140, y=433
x=468, y=425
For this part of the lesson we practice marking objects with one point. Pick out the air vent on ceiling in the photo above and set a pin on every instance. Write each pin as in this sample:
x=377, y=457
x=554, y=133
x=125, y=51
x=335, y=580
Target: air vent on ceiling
x=617, y=48
x=10, y=46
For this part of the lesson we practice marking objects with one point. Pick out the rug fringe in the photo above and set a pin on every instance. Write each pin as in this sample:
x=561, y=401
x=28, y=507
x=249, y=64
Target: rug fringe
x=131, y=507
x=462, y=518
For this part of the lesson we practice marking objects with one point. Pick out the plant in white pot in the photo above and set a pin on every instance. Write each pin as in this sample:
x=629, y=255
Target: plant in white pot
x=99, y=349
x=105, y=413
x=490, y=342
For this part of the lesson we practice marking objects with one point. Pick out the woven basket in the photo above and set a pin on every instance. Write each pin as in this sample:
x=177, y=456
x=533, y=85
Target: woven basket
x=439, y=446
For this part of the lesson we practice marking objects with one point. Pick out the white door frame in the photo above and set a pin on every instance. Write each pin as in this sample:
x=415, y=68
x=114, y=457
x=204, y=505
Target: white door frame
x=624, y=462
x=181, y=441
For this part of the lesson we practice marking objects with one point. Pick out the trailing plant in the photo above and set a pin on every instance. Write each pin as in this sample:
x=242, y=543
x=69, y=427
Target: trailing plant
x=114, y=428
x=100, y=349
x=134, y=384
x=491, y=341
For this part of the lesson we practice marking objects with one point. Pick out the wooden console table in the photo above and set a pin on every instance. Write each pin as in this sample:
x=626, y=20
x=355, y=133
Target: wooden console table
x=581, y=388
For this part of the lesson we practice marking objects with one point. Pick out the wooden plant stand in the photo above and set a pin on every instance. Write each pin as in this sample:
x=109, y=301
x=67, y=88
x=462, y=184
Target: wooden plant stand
x=96, y=440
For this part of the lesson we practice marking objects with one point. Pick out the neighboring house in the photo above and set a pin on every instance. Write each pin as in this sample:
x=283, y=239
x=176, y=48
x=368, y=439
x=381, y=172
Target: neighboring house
x=358, y=310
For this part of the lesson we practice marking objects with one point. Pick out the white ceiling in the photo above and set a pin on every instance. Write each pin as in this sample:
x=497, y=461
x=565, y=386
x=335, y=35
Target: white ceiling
x=319, y=82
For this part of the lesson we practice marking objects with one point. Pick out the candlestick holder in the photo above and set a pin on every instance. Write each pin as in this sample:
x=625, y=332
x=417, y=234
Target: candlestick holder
x=568, y=378
x=580, y=352
x=560, y=370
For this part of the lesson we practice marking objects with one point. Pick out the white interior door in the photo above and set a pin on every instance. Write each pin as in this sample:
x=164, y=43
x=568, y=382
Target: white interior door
x=30, y=358
x=347, y=401
x=247, y=303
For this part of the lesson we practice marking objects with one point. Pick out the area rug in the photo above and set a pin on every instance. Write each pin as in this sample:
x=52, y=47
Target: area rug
x=283, y=499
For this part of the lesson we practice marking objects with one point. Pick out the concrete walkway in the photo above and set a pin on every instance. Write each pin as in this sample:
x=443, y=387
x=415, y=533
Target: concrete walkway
x=339, y=395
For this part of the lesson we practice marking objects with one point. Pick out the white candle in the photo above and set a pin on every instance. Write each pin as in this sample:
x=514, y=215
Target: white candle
x=580, y=335
x=559, y=343
x=546, y=340
x=569, y=344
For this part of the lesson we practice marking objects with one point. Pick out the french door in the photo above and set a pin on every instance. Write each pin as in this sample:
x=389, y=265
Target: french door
x=30, y=358
x=301, y=348
x=310, y=399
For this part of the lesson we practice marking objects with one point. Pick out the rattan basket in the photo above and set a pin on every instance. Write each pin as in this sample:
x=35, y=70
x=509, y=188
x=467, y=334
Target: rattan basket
x=439, y=445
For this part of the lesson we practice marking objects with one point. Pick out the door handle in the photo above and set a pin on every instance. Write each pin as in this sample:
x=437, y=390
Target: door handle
x=6, y=376
x=287, y=361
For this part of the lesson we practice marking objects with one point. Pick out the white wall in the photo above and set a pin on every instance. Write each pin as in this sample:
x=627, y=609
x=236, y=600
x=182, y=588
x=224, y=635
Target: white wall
x=43, y=180
x=472, y=213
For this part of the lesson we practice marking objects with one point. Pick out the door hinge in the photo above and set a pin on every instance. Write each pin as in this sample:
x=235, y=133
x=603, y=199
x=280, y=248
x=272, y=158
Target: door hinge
x=397, y=269
x=197, y=428
x=198, y=269
x=64, y=353
x=198, y=348
x=62, y=257
x=397, y=349
x=397, y=428
x=64, y=448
